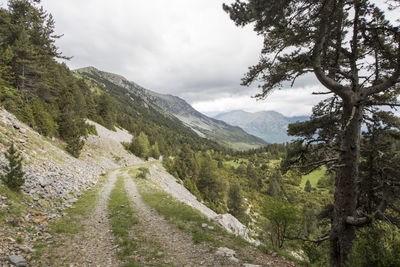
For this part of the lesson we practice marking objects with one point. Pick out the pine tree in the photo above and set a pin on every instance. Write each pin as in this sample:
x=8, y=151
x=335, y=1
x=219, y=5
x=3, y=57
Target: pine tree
x=106, y=111
x=144, y=145
x=307, y=187
x=186, y=164
x=155, y=152
x=43, y=120
x=75, y=145
x=274, y=187
x=220, y=164
x=25, y=63
x=208, y=182
x=140, y=146
x=14, y=176
x=6, y=73
x=353, y=50
x=235, y=201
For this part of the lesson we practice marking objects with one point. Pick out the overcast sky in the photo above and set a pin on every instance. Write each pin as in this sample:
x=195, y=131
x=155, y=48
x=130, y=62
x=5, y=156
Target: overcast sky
x=190, y=49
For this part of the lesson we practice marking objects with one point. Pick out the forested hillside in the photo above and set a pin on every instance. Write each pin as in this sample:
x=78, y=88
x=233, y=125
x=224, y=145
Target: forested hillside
x=172, y=107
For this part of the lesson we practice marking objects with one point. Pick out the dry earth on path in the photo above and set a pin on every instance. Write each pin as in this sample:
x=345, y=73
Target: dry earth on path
x=176, y=246
x=94, y=246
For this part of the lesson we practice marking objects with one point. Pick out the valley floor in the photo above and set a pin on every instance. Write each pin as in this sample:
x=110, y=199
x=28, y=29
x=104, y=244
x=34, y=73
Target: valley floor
x=140, y=235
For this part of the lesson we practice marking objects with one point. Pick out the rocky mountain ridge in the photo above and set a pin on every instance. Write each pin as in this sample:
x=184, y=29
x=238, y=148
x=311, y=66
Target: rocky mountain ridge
x=271, y=126
x=219, y=131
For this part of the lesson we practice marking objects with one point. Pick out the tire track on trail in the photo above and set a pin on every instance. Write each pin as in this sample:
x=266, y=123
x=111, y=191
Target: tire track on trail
x=178, y=246
x=93, y=246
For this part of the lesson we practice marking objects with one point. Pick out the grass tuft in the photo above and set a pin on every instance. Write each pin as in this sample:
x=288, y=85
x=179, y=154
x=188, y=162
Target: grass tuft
x=122, y=219
x=16, y=207
x=183, y=216
x=71, y=223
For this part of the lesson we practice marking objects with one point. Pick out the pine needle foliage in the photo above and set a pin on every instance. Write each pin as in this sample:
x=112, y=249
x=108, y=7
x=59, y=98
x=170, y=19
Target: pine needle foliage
x=14, y=175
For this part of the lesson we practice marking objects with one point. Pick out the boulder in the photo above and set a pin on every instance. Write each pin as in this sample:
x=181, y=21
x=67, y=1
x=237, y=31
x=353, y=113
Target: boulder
x=17, y=260
x=227, y=252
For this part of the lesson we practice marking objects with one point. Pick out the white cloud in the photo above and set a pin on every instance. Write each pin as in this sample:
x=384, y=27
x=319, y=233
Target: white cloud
x=186, y=48
x=290, y=102
x=169, y=46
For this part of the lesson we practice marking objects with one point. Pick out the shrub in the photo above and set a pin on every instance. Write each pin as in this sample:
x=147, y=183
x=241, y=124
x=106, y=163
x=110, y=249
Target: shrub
x=376, y=245
x=91, y=129
x=282, y=221
x=142, y=173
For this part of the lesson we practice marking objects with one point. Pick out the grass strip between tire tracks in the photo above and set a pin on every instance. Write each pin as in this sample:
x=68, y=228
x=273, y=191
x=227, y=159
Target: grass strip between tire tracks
x=122, y=218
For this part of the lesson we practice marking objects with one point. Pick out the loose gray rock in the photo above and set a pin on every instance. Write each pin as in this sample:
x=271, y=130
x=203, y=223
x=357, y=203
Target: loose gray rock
x=204, y=225
x=17, y=260
x=251, y=265
x=227, y=252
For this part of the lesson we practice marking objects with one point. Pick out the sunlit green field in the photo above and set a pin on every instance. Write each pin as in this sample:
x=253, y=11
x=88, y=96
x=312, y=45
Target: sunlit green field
x=313, y=177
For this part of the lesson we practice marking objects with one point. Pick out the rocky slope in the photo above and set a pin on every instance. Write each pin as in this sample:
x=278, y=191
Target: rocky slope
x=219, y=131
x=271, y=126
x=169, y=184
x=53, y=181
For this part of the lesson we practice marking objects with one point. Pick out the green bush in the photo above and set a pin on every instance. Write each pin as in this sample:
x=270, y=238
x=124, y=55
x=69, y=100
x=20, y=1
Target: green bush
x=376, y=245
x=91, y=129
x=283, y=220
x=142, y=173
x=14, y=176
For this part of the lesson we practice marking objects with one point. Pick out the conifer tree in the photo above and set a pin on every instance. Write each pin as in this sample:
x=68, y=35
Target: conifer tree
x=155, y=152
x=144, y=145
x=307, y=187
x=186, y=164
x=14, y=176
x=274, y=187
x=6, y=73
x=209, y=183
x=106, y=111
x=75, y=145
x=43, y=120
x=140, y=146
x=235, y=201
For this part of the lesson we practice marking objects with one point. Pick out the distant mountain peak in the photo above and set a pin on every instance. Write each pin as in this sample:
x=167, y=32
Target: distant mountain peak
x=269, y=125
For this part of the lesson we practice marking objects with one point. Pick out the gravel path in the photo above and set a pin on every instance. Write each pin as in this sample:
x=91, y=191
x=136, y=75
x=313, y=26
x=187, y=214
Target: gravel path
x=177, y=246
x=94, y=246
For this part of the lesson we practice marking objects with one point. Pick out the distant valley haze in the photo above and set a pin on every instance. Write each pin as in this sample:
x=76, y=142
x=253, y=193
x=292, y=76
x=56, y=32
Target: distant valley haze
x=190, y=49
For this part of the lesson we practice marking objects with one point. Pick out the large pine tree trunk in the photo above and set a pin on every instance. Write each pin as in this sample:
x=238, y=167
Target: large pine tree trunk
x=342, y=234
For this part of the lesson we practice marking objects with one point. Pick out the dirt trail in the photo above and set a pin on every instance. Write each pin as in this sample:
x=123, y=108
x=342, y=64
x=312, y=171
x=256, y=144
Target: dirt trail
x=160, y=244
x=177, y=246
x=94, y=246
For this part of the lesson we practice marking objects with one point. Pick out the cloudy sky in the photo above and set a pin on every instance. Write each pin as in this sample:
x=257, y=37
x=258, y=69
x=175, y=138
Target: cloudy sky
x=190, y=49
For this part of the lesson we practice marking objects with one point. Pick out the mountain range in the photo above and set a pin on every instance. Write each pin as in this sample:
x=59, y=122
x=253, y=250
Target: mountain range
x=172, y=106
x=271, y=126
